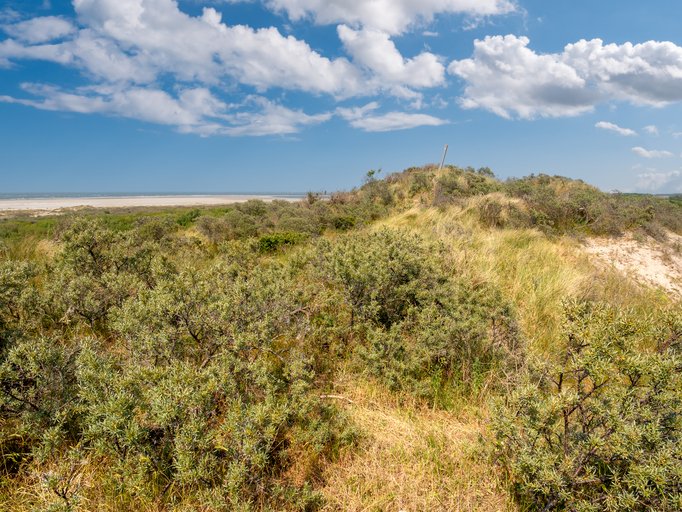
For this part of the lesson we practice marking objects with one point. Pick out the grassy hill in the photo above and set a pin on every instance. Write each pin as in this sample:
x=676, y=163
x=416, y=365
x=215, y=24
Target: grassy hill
x=433, y=340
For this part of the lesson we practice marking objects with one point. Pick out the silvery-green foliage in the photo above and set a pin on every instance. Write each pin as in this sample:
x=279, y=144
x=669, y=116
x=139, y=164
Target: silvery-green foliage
x=421, y=327
x=601, y=428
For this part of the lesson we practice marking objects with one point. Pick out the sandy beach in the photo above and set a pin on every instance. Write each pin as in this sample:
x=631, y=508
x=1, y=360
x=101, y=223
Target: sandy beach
x=58, y=203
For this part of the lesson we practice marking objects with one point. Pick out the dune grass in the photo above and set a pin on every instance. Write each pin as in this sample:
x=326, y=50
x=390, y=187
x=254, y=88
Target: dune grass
x=413, y=458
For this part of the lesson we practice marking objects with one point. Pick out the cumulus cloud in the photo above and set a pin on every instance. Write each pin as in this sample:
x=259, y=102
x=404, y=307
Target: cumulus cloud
x=390, y=16
x=651, y=129
x=653, y=180
x=130, y=46
x=375, y=51
x=651, y=153
x=157, y=36
x=40, y=30
x=604, y=125
x=366, y=119
x=191, y=110
x=508, y=78
x=138, y=40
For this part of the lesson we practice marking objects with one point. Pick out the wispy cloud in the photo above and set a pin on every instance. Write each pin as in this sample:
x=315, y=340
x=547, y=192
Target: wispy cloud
x=653, y=180
x=365, y=119
x=604, y=125
x=191, y=110
x=651, y=153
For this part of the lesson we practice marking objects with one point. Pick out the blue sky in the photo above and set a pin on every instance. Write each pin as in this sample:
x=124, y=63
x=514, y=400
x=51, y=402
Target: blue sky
x=297, y=95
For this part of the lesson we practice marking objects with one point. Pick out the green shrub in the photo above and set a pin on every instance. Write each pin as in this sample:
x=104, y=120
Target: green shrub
x=253, y=207
x=37, y=397
x=382, y=274
x=456, y=183
x=465, y=339
x=494, y=212
x=214, y=228
x=344, y=222
x=419, y=329
x=601, y=428
x=276, y=241
x=421, y=182
x=17, y=298
x=188, y=218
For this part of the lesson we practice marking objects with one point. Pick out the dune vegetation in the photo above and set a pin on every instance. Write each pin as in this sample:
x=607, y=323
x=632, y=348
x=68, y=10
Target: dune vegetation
x=432, y=340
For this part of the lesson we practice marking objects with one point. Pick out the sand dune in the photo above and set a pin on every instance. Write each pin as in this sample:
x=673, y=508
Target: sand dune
x=57, y=203
x=649, y=261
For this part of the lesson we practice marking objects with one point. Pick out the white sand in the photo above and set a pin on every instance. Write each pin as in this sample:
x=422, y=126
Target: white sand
x=57, y=203
x=648, y=261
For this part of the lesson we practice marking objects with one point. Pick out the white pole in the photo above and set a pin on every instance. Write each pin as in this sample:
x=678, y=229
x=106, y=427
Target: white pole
x=445, y=153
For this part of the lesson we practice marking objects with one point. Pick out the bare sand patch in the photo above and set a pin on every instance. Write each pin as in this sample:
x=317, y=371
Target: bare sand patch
x=646, y=260
x=57, y=203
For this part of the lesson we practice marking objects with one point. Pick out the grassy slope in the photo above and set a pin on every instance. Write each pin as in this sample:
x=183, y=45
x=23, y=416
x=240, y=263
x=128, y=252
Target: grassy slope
x=421, y=459
x=415, y=458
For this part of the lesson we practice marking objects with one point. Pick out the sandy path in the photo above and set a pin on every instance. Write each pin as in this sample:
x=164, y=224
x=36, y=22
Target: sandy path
x=57, y=203
x=649, y=261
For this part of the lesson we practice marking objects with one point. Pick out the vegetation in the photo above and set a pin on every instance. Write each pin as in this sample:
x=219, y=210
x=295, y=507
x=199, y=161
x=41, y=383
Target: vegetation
x=433, y=340
x=600, y=428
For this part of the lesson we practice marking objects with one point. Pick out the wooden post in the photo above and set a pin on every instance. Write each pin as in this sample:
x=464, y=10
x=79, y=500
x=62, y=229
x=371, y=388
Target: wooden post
x=445, y=153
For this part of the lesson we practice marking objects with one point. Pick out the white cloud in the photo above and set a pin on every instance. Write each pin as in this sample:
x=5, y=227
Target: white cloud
x=11, y=49
x=658, y=181
x=40, y=30
x=651, y=129
x=192, y=110
x=391, y=16
x=8, y=15
x=137, y=41
x=364, y=119
x=651, y=153
x=506, y=77
x=604, y=125
x=375, y=51
x=203, y=48
x=127, y=47
x=271, y=119
x=509, y=79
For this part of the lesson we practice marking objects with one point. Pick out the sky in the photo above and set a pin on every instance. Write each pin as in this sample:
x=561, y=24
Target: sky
x=308, y=95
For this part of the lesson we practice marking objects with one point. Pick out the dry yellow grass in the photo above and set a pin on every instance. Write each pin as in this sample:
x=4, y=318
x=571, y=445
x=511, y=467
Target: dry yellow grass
x=413, y=459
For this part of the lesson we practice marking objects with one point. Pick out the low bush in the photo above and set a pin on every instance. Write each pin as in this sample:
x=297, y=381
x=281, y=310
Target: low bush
x=276, y=241
x=455, y=183
x=187, y=218
x=600, y=428
x=418, y=329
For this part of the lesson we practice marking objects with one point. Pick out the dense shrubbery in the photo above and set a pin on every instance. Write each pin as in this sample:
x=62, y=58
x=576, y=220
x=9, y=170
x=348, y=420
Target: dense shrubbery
x=197, y=373
x=454, y=183
x=192, y=353
x=562, y=205
x=420, y=329
x=189, y=380
x=601, y=428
